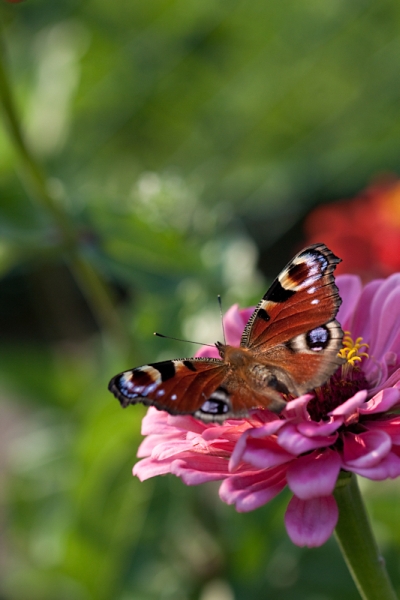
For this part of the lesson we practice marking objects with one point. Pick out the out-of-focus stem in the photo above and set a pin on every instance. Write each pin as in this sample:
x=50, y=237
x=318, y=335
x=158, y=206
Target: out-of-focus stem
x=92, y=286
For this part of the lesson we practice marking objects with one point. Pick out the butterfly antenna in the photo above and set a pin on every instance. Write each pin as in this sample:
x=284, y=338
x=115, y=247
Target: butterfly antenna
x=168, y=337
x=222, y=318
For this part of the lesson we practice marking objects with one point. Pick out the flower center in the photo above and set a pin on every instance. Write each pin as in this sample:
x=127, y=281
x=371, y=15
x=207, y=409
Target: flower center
x=347, y=380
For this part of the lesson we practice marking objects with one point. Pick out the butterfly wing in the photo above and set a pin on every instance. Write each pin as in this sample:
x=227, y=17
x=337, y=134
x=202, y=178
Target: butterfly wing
x=293, y=329
x=289, y=346
x=184, y=386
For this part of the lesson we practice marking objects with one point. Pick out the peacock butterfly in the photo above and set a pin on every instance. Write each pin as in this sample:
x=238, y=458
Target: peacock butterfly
x=289, y=346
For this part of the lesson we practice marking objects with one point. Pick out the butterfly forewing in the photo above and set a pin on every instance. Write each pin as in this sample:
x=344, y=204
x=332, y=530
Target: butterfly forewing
x=179, y=386
x=294, y=325
x=303, y=297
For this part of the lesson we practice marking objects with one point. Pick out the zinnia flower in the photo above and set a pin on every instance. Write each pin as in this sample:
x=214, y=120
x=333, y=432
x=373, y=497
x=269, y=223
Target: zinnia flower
x=363, y=231
x=348, y=424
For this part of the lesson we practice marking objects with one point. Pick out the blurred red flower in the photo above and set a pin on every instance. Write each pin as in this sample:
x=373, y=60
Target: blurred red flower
x=363, y=231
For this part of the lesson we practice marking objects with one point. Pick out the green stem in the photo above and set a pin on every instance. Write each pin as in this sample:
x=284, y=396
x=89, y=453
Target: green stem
x=32, y=174
x=358, y=544
x=92, y=286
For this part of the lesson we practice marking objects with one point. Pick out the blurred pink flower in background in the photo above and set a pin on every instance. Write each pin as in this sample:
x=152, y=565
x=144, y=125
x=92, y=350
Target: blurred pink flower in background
x=363, y=231
x=346, y=424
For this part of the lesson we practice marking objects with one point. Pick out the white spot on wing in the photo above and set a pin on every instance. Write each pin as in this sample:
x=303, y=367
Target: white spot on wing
x=149, y=389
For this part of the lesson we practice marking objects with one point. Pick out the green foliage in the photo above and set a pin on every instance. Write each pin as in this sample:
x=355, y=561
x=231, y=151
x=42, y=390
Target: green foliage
x=162, y=140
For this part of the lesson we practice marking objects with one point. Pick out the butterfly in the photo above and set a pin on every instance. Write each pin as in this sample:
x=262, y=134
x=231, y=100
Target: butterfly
x=289, y=346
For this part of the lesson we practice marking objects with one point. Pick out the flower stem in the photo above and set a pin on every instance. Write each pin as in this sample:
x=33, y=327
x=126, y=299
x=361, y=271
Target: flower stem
x=357, y=542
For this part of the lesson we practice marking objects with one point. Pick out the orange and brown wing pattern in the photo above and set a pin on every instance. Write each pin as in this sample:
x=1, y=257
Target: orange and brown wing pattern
x=183, y=386
x=302, y=298
x=294, y=328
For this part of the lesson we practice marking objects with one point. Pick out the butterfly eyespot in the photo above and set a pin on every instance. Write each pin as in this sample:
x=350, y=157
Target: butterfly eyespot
x=297, y=274
x=317, y=339
x=214, y=407
x=217, y=404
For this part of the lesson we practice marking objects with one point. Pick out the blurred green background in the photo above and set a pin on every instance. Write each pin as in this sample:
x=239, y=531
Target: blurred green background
x=172, y=151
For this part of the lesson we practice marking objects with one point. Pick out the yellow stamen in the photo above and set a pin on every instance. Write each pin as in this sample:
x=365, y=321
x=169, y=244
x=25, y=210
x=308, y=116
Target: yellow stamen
x=353, y=350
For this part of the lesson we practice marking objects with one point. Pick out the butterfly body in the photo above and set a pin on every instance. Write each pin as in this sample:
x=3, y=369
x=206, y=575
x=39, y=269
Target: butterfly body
x=289, y=346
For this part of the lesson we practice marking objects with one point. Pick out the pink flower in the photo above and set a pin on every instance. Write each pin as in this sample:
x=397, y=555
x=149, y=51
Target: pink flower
x=346, y=424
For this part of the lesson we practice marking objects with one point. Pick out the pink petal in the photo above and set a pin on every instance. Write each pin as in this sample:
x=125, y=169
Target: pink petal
x=241, y=447
x=206, y=351
x=311, y=522
x=234, y=324
x=187, y=423
x=350, y=289
x=146, y=468
x=392, y=355
x=221, y=448
x=260, y=453
x=296, y=410
x=313, y=428
x=389, y=467
x=296, y=443
x=386, y=320
x=350, y=406
x=360, y=324
x=196, y=469
x=365, y=450
x=168, y=449
x=246, y=314
x=267, y=429
x=155, y=421
x=315, y=474
x=391, y=426
x=253, y=489
x=393, y=380
x=152, y=442
x=381, y=402
x=226, y=431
